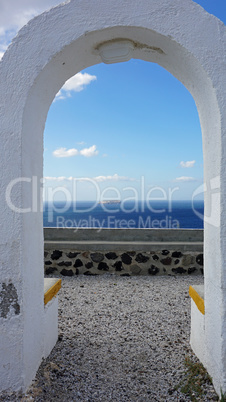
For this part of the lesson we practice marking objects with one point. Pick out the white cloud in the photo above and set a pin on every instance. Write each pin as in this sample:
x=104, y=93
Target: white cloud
x=187, y=164
x=67, y=153
x=114, y=178
x=185, y=179
x=75, y=84
x=16, y=13
x=4, y=41
x=59, y=178
x=88, y=152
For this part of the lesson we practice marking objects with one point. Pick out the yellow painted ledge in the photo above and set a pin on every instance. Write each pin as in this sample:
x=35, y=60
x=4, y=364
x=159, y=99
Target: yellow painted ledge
x=197, y=298
x=51, y=288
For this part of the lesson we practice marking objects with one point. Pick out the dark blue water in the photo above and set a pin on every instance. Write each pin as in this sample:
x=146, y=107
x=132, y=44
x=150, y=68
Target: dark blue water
x=127, y=215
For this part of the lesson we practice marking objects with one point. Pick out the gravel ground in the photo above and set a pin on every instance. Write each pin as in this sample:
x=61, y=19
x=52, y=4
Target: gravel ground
x=120, y=339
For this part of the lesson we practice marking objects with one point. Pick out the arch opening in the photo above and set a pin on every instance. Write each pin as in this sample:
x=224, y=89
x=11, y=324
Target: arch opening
x=118, y=116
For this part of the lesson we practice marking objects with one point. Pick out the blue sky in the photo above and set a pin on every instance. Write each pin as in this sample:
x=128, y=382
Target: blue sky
x=117, y=126
x=143, y=122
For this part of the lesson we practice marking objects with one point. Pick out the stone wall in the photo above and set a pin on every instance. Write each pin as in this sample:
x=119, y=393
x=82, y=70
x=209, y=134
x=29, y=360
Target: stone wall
x=164, y=262
x=138, y=252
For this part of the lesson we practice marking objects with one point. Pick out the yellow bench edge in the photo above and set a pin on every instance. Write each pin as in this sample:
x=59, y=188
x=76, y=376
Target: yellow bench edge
x=199, y=301
x=52, y=292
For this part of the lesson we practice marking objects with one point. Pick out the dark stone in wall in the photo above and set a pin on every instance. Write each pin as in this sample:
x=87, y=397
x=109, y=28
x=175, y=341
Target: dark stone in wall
x=141, y=258
x=118, y=265
x=50, y=270
x=85, y=254
x=111, y=256
x=65, y=264
x=191, y=270
x=165, y=252
x=89, y=273
x=153, y=270
x=177, y=254
x=102, y=266
x=125, y=275
x=126, y=259
x=131, y=253
x=45, y=253
x=176, y=261
x=97, y=257
x=166, y=261
x=72, y=255
x=188, y=260
x=201, y=270
x=78, y=263
x=89, y=265
x=199, y=259
x=56, y=254
x=179, y=270
x=48, y=262
x=155, y=257
x=8, y=298
x=67, y=272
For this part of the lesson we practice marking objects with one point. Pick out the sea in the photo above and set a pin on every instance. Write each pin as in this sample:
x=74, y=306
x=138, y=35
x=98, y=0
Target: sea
x=124, y=214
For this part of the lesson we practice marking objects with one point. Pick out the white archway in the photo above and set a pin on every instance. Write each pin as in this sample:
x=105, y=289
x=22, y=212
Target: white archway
x=178, y=35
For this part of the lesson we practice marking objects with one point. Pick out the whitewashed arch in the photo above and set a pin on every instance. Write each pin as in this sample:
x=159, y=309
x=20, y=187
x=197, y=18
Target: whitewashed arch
x=178, y=35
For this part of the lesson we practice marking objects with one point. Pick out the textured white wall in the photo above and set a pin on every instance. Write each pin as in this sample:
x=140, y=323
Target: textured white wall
x=197, y=338
x=50, y=325
x=177, y=34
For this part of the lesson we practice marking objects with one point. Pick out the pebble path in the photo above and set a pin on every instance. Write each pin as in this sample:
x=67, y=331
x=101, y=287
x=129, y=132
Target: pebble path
x=120, y=339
